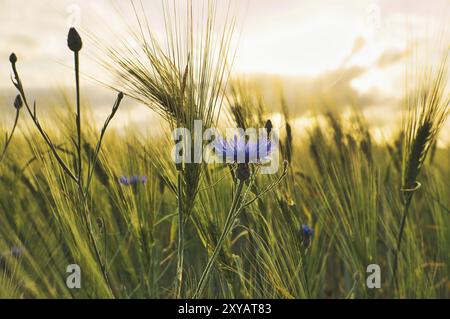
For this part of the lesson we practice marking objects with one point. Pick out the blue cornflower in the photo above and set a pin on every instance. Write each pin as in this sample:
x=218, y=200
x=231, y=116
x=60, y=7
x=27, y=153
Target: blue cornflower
x=16, y=251
x=242, y=151
x=124, y=181
x=133, y=180
x=306, y=235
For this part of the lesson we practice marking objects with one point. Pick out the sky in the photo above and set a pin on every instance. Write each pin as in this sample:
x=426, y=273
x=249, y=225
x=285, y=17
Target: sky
x=341, y=48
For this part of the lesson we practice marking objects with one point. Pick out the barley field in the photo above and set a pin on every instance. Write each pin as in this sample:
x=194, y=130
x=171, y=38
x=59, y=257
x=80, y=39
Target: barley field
x=346, y=215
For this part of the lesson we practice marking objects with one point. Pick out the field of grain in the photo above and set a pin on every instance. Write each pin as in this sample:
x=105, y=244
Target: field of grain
x=342, y=205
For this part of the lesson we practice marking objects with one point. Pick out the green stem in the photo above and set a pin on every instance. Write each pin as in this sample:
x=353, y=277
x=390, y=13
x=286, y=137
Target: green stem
x=91, y=168
x=78, y=119
x=80, y=178
x=304, y=271
x=18, y=84
x=180, y=248
x=8, y=140
x=91, y=236
x=400, y=236
x=225, y=232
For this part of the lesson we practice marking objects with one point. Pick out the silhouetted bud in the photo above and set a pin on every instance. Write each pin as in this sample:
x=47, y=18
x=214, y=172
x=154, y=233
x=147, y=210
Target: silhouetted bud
x=18, y=102
x=74, y=40
x=117, y=103
x=179, y=150
x=13, y=58
x=243, y=172
x=162, y=184
x=288, y=142
x=288, y=131
x=268, y=127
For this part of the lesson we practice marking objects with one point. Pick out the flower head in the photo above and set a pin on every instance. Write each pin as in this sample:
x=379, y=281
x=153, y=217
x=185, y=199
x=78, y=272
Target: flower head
x=306, y=235
x=241, y=151
x=132, y=180
x=124, y=181
x=16, y=251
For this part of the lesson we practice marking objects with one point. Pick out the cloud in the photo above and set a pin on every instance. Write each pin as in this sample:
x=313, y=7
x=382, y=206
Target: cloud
x=359, y=44
x=328, y=91
x=388, y=58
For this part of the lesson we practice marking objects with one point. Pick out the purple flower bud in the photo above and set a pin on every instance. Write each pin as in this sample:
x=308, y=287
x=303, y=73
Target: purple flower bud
x=306, y=235
x=133, y=180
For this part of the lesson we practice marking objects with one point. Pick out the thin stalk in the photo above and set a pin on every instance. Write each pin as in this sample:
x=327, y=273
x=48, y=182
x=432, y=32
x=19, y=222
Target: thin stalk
x=304, y=271
x=91, y=168
x=78, y=119
x=85, y=215
x=400, y=236
x=180, y=248
x=8, y=140
x=225, y=232
x=18, y=84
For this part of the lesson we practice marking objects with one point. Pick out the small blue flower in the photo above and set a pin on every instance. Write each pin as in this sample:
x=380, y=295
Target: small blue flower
x=240, y=150
x=16, y=251
x=306, y=235
x=133, y=180
x=124, y=181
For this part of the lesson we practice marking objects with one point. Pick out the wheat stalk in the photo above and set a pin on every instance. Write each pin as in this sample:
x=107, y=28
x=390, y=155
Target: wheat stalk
x=428, y=108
